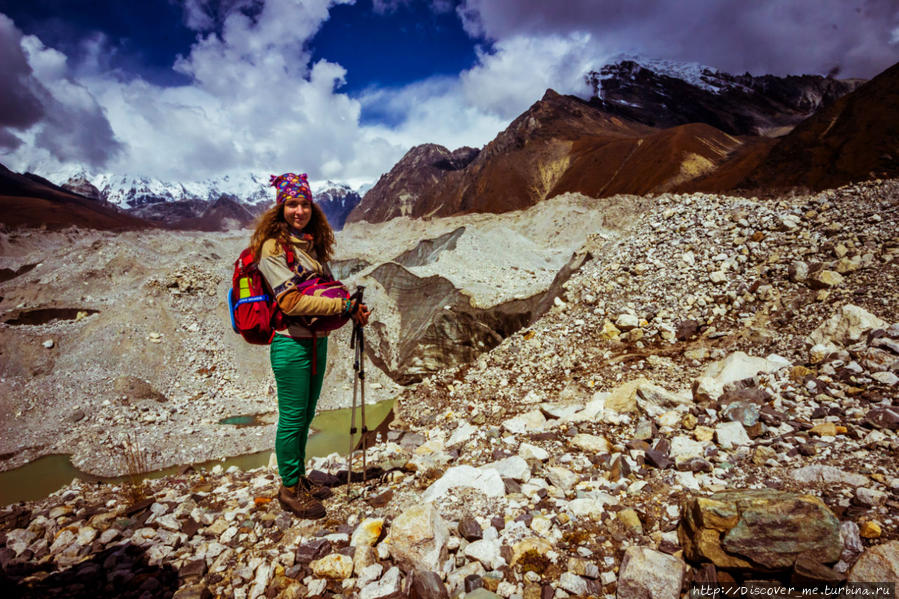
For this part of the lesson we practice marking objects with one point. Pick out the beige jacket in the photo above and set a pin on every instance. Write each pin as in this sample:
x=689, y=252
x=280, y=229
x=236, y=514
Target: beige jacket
x=274, y=269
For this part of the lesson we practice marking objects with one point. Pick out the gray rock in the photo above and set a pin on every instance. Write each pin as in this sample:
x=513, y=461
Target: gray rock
x=574, y=584
x=870, y=497
x=745, y=413
x=819, y=473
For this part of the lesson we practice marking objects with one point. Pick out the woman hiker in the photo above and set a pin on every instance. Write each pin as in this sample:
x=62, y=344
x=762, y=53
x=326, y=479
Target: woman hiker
x=297, y=354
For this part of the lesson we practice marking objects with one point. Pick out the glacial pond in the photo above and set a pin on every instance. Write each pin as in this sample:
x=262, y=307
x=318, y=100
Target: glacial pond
x=330, y=434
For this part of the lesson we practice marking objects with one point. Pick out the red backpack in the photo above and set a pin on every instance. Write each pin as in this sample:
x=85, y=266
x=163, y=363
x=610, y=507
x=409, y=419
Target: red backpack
x=255, y=314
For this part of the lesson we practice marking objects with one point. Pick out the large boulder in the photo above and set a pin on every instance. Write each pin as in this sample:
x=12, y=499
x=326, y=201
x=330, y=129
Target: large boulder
x=418, y=538
x=758, y=528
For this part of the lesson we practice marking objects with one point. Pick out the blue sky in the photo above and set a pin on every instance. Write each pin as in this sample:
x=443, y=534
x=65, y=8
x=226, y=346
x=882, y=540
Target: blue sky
x=191, y=89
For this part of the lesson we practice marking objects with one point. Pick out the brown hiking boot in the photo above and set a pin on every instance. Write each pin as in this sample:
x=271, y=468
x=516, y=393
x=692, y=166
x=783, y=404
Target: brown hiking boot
x=296, y=499
x=318, y=491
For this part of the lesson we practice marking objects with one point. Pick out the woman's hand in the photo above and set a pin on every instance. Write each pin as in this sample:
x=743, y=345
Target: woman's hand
x=360, y=314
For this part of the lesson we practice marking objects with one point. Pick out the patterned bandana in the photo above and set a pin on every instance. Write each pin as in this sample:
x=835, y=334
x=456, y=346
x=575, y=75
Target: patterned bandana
x=291, y=185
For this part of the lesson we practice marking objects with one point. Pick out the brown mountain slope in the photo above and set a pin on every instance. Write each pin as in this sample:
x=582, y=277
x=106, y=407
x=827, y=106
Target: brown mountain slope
x=560, y=144
x=32, y=202
x=669, y=159
x=515, y=170
x=855, y=138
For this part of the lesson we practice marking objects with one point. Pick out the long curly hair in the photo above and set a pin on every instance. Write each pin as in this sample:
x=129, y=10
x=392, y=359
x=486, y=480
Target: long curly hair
x=271, y=225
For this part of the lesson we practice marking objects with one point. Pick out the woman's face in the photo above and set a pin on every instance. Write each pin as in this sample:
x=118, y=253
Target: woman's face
x=297, y=212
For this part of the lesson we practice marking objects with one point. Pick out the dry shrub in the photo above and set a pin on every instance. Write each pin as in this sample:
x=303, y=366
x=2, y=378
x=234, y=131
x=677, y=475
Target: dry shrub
x=136, y=466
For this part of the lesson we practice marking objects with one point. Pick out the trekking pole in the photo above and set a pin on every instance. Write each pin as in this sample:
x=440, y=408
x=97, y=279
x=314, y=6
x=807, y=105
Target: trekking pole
x=357, y=296
x=360, y=349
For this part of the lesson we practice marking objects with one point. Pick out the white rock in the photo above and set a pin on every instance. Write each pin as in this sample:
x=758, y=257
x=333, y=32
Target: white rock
x=260, y=582
x=573, y=584
x=86, y=536
x=591, y=506
x=541, y=525
x=591, y=443
x=647, y=573
x=368, y=532
x=109, y=535
x=462, y=433
x=527, y=422
x=670, y=418
x=169, y=522
x=335, y=565
x=48, y=343
x=871, y=497
x=626, y=322
x=684, y=448
x=527, y=451
x=563, y=478
x=487, y=481
x=418, y=537
x=736, y=367
x=65, y=538
x=651, y=396
x=886, y=377
x=729, y=434
x=705, y=388
x=390, y=585
x=316, y=587
x=827, y=474
x=369, y=574
x=560, y=409
x=19, y=539
x=846, y=326
x=513, y=467
x=487, y=552
x=687, y=480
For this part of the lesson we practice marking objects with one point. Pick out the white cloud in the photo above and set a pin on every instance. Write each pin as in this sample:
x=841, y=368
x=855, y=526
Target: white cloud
x=508, y=80
x=255, y=102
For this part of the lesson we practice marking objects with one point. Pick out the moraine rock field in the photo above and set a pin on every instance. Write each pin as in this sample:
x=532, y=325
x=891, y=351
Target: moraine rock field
x=712, y=397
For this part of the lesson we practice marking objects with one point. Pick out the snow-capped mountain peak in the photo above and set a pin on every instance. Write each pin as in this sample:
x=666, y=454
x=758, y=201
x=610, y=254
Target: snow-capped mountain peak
x=694, y=73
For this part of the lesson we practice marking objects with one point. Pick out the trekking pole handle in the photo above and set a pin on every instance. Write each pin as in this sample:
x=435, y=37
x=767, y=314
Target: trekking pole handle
x=357, y=295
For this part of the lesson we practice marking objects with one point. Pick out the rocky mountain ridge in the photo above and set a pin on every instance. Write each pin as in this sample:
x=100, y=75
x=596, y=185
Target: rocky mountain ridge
x=560, y=144
x=856, y=136
x=646, y=131
x=664, y=95
x=710, y=400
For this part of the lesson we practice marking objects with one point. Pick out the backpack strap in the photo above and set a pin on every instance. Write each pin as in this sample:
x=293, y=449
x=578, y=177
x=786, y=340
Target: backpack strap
x=291, y=282
x=289, y=255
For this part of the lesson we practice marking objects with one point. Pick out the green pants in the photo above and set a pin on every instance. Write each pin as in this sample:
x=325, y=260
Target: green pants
x=298, y=391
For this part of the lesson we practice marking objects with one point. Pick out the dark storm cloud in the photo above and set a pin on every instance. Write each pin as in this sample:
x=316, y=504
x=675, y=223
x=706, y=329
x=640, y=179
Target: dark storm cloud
x=69, y=131
x=8, y=141
x=19, y=105
x=761, y=36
